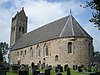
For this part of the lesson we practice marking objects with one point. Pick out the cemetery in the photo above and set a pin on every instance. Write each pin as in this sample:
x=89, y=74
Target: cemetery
x=42, y=69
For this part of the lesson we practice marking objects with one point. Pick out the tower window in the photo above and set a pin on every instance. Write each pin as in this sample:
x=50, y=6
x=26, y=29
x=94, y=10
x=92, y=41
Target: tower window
x=21, y=52
x=25, y=52
x=19, y=28
x=23, y=29
x=89, y=48
x=56, y=58
x=17, y=53
x=69, y=47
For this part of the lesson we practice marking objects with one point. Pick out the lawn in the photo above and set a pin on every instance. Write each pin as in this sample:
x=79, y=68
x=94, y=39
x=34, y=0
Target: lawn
x=52, y=72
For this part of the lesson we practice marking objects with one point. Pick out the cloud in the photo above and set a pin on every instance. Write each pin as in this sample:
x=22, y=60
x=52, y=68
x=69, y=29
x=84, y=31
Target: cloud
x=39, y=12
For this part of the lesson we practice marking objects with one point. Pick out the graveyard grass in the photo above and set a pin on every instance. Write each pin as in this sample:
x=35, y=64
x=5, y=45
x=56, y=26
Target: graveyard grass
x=52, y=72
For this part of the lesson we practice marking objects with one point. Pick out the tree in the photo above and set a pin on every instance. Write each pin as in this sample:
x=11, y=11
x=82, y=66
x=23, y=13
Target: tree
x=95, y=5
x=3, y=50
x=97, y=57
x=1, y=56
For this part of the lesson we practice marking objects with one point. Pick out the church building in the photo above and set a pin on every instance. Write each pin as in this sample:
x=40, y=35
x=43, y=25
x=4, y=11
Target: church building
x=62, y=41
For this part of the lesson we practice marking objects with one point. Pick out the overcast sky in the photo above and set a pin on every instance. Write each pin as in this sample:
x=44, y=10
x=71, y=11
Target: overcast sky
x=41, y=12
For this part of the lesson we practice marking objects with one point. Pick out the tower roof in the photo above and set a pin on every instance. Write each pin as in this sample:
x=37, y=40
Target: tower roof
x=64, y=27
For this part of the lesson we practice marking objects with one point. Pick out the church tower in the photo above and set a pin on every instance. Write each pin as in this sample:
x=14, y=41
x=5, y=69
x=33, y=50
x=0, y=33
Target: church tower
x=18, y=26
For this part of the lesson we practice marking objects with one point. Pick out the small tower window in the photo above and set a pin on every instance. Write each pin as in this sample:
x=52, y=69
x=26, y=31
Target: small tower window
x=69, y=47
x=23, y=29
x=17, y=53
x=19, y=28
x=89, y=48
x=21, y=52
x=56, y=58
x=25, y=52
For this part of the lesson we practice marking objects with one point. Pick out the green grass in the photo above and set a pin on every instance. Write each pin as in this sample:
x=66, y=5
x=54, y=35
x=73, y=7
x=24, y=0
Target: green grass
x=52, y=72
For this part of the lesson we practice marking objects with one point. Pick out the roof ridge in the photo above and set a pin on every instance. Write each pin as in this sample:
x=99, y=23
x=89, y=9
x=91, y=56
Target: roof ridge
x=72, y=25
x=64, y=27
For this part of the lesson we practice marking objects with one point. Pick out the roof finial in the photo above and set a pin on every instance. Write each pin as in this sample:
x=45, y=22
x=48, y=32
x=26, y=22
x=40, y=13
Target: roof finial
x=22, y=8
x=70, y=12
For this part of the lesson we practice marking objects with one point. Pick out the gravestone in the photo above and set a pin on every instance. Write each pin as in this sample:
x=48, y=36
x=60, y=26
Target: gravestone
x=47, y=72
x=15, y=67
x=68, y=71
x=43, y=66
x=46, y=67
x=79, y=69
x=56, y=69
x=41, y=74
x=59, y=74
x=23, y=70
x=65, y=67
x=50, y=67
x=36, y=72
x=2, y=70
x=74, y=67
x=60, y=68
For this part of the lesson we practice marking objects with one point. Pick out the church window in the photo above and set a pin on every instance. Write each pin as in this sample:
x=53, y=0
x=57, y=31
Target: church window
x=20, y=28
x=89, y=48
x=23, y=29
x=31, y=51
x=38, y=51
x=69, y=47
x=21, y=52
x=56, y=58
x=46, y=50
x=17, y=53
x=25, y=52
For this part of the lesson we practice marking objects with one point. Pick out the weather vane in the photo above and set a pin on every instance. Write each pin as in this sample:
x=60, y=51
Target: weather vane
x=70, y=12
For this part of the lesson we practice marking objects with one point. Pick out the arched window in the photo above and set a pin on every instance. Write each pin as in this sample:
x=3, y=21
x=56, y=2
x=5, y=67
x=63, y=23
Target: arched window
x=38, y=51
x=21, y=52
x=46, y=52
x=19, y=28
x=17, y=53
x=25, y=52
x=31, y=52
x=23, y=29
x=89, y=47
x=56, y=58
x=69, y=47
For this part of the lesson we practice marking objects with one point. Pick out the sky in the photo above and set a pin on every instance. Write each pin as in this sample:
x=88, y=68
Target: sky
x=41, y=12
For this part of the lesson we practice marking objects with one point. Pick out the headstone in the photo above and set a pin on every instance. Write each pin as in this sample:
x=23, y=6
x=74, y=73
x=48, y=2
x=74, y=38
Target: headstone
x=41, y=74
x=36, y=72
x=68, y=71
x=74, y=67
x=43, y=66
x=97, y=73
x=50, y=67
x=46, y=66
x=59, y=74
x=2, y=70
x=15, y=67
x=65, y=67
x=56, y=69
x=47, y=72
x=79, y=69
x=23, y=70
